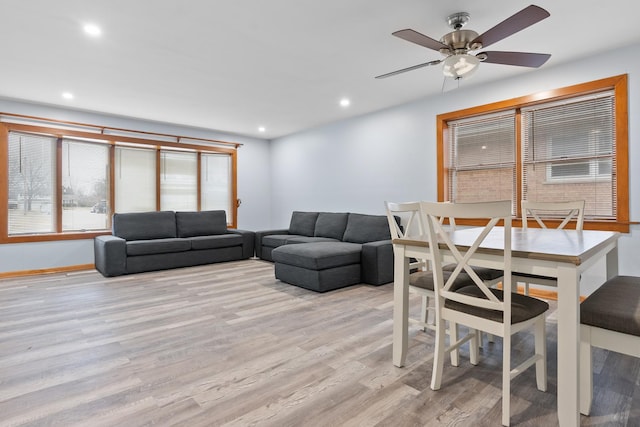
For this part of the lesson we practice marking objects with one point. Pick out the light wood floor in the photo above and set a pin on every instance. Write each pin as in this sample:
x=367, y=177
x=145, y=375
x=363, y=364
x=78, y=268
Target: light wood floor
x=227, y=344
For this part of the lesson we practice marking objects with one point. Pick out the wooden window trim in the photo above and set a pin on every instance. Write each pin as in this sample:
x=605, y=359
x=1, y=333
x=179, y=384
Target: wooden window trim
x=229, y=148
x=618, y=84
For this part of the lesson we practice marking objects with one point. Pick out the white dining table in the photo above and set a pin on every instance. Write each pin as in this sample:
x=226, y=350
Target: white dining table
x=563, y=254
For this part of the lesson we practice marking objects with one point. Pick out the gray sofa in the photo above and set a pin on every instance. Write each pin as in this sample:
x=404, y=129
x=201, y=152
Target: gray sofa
x=323, y=251
x=146, y=241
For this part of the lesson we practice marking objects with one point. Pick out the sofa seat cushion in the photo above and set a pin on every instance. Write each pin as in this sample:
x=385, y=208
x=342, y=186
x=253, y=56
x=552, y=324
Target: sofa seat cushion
x=157, y=246
x=305, y=239
x=214, y=242
x=275, y=240
x=318, y=256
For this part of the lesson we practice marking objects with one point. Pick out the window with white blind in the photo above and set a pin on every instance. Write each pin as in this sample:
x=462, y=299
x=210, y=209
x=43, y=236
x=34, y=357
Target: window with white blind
x=178, y=181
x=569, y=150
x=482, y=159
x=560, y=145
x=32, y=183
x=215, y=178
x=135, y=179
x=85, y=180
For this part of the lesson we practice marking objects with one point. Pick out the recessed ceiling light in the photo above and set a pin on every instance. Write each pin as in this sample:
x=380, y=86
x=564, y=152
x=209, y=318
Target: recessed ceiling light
x=262, y=129
x=344, y=102
x=92, y=29
x=67, y=95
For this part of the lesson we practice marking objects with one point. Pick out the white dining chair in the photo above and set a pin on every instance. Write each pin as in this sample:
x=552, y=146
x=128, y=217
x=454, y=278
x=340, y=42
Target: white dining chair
x=609, y=319
x=541, y=212
x=421, y=277
x=479, y=307
x=405, y=221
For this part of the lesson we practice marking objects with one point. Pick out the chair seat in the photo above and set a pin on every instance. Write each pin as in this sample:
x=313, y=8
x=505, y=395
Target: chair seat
x=522, y=307
x=614, y=306
x=484, y=273
x=424, y=280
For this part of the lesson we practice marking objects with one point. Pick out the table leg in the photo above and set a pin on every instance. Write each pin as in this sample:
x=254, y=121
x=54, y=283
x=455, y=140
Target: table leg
x=568, y=346
x=612, y=263
x=400, y=306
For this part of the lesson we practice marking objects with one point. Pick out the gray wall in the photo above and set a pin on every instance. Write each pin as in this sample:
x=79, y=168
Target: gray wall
x=355, y=165
x=253, y=185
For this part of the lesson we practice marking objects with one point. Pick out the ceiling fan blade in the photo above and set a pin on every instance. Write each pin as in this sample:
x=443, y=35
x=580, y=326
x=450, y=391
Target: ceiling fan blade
x=420, y=39
x=404, y=70
x=521, y=20
x=522, y=59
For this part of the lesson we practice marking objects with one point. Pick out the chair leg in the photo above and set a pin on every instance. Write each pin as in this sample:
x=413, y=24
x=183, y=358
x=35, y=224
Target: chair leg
x=438, y=357
x=506, y=379
x=474, y=345
x=424, y=314
x=453, y=338
x=586, y=370
x=541, y=349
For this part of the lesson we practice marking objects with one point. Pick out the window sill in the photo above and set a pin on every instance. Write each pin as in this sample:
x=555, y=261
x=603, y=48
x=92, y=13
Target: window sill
x=52, y=237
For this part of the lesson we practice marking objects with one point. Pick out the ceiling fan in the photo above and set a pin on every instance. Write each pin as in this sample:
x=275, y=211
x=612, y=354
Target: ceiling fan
x=458, y=46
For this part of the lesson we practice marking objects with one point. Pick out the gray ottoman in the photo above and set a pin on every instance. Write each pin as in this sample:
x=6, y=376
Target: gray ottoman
x=319, y=266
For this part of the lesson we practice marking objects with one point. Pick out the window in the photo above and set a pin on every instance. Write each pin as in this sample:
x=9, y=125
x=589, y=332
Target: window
x=482, y=161
x=215, y=179
x=566, y=144
x=569, y=152
x=85, y=181
x=32, y=183
x=65, y=180
x=178, y=181
x=135, y=179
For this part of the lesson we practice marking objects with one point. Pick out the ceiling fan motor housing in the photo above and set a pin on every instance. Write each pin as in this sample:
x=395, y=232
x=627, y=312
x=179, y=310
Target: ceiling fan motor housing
x=459, y=42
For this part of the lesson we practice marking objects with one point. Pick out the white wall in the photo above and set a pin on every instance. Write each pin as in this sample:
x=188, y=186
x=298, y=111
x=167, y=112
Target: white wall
x=253, y=185
x=355, y=165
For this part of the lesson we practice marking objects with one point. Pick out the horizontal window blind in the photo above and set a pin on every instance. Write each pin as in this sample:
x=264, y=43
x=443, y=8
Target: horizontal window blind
x=481, y=161
x=569, y=153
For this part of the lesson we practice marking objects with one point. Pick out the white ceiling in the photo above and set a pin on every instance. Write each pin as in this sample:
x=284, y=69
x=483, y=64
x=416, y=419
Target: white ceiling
x=235, y=65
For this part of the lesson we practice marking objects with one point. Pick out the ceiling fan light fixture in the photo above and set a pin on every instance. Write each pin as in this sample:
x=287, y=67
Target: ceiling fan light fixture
x=460, y=65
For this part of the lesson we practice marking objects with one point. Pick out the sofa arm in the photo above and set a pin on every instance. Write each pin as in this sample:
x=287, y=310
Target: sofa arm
x=261, y=234
x=248, y=239
x=377, y=262
x=110, y=254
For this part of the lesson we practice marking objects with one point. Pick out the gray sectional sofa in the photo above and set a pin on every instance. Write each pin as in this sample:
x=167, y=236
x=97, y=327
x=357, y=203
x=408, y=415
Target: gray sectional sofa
x=323, y=251
x=146, y=241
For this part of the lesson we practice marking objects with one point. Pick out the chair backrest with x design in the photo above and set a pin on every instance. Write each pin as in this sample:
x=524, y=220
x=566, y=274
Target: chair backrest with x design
x=410, y=224
x=544, y=211
x=409, y=214
x=440, y=238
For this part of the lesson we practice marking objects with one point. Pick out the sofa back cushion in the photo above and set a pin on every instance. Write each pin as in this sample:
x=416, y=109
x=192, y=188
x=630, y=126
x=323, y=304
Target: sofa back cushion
x=303, y=223
x=204, y=223
x=366, y=228
x=330, y=224
x=144, y=225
